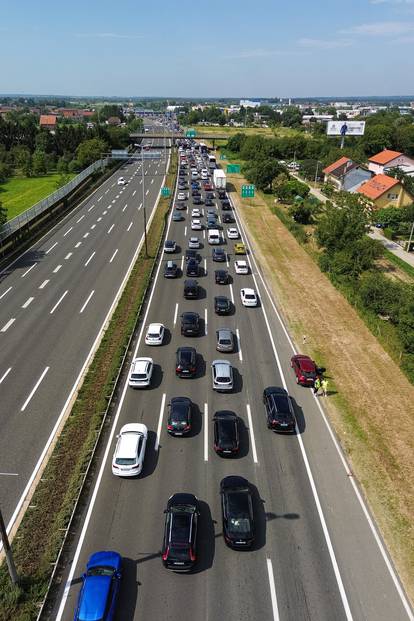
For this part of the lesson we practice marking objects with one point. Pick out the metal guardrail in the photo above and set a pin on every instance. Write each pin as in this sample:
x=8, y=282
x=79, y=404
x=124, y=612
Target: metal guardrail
x=13, y=225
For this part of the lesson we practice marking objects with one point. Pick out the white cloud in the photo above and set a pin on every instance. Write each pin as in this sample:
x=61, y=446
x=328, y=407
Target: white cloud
x=378, y=29
x=324, y=44
x=106, y=35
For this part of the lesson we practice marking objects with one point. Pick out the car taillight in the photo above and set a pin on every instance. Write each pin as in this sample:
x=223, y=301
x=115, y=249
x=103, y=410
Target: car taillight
x=170, y=427
x=166, y=553
x=187, y=427
x=177, y=369
x=192, y=555
x=193, y=369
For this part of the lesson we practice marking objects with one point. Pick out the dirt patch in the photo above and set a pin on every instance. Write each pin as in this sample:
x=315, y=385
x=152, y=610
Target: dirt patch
x=367, y=383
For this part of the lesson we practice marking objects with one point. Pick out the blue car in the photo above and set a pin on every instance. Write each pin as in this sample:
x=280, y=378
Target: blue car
x=100, y=588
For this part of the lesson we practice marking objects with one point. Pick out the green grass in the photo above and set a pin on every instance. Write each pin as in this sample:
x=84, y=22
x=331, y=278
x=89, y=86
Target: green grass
x=270, y=132
x=403, y=265
x=20, y=193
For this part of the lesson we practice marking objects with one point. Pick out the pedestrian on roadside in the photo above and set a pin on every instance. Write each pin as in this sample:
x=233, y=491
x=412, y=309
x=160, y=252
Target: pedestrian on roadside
x=316, y=386
x=324, y=386
x=304, y=339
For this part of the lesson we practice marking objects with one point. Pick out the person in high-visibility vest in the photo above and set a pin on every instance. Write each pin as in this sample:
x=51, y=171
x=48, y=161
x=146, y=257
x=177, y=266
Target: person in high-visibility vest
x=316, y=386
x=324, y=386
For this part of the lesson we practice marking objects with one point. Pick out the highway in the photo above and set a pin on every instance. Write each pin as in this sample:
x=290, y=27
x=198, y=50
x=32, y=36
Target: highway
x=317, y=555
x=55, y=299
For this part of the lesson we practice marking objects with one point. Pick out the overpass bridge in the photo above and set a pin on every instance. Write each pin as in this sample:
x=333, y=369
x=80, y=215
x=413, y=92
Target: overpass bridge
x=136, y=137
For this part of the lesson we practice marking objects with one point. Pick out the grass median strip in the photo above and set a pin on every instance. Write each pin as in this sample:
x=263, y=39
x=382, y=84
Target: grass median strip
x=40, y=535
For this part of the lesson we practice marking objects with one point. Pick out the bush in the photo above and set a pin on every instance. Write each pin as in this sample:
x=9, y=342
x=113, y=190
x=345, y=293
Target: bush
x=288, y=191
x=389, y=233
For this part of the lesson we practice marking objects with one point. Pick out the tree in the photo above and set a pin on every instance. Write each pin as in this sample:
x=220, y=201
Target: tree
x=388, y=216
x=304, y=211
x=136, y=125
x=3, y=215
x=377, y=138
x=379, y=294
x=262, y=173
x=406, y=321
x=89, y=151
x=338, y=228
x=291, y=117
x=39, y=162
x=292, y=188
x=5, y=172
x=236, y=142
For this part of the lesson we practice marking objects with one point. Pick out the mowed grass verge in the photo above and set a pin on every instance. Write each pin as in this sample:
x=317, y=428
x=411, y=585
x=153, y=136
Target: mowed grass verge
x=366, y=384
x=20, y=193
x=40, y=535
x=267, y=132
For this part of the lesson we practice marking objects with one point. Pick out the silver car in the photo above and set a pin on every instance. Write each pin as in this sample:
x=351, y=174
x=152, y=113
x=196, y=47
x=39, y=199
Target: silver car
x=225, y=340
x=222, y=375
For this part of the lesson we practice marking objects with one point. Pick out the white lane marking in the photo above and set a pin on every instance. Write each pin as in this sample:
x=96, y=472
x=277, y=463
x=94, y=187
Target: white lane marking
x=152, y=180
x=106, y=191
x=185, y=231
x=110, y=228
x=231, y=293
x=146, y=193
x=51, y=248
x=159, y=428
x=86, y=235
x=239, y=345
x=68, y=231
x=113, y=184
x=113, y=256
x=90, y=208
x=5, y=292
x=117, y=196
x=57, y=268
x=35, y=387
x=68, y=255
x=9, y=474
x=3, y=377
x=78, y=244
x=100, y=198
x=58, y=302
x=205, y=322
x=140, y=180
x=123, y=208
x=93, y=226
x=252, y=439
x=43, y=285
x=114, y=201
x=204, y=234
x=110, y=439
x=134, y=192
x=99, y=219
x=227, y=260
x=8, y=324
x=29, y=270
x=272, y=590
x=28, y=301
x=140, y=205
x=87, y=301
x=175, y=313
x=205, y=432
x=104, y=212
x=130, y=224
x=182, y=263
x=90, y=258
x=205, y=267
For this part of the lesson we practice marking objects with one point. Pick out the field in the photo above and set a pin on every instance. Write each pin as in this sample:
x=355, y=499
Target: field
x=267, y=132
x=20, y=193
x=364, y=379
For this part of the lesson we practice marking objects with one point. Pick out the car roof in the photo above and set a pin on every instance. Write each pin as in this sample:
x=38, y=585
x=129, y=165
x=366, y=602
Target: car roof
x=155, y=326
x=182, y=498
x=225, y=415
x=221, y=365
x=141, y=363
x=275, y=390
x=241, y=262
x=233, y=482
x=128, y=442
x=105, y=557
x=249, y=291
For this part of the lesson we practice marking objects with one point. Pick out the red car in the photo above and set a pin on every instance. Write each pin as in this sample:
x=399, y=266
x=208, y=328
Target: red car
x=305, y=369
x=208, y=187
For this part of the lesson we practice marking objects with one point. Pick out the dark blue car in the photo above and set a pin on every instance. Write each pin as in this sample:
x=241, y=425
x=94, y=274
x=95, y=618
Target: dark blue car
x=100, y=588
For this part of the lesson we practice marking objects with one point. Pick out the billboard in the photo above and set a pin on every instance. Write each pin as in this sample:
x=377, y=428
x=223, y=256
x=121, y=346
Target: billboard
x=345, y=128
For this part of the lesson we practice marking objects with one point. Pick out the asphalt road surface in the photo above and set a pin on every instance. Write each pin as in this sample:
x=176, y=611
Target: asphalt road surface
x=54, y=300
x=317, y=555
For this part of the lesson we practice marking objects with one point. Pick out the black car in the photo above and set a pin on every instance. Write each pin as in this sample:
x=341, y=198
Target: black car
x=191, y=289
x=227, y=218
x=209, y=195
x=192, y=267
x=279, y=410
x=212, y=223
x=226, y=433
x=237, y=512
x=195, y=192
x=180, y=206
x=221, y=277
x=182, y=185
x=209, y=202
x=190, y=324
x=179, y=416
x=221, y=193
x=190, y=253
x=170, y=270
x=222, y=305
x=182, y=173
x=197, y=200
x=225, y=205
x=218, y=254
x=186, y=362
x=179, y=549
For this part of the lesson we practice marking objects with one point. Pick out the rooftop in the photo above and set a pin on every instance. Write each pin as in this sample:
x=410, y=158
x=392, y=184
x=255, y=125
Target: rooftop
x=377, y=186
x=384, y=156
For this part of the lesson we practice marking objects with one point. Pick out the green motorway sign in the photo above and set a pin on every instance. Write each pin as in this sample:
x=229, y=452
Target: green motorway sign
x=247, y=191
x=165, y=191
x=233, y=168
x=190, y=133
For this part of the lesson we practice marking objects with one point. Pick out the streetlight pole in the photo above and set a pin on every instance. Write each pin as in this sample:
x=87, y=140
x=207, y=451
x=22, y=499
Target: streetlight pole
x=411, y=237
x=316, y=171
x=7, y=550
x=143, y=200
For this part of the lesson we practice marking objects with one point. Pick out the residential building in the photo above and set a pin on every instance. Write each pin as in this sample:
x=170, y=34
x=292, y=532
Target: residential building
x=385, y=191
x=48, y=121
x=114, y=120
x=344, y=174
x=386, y=159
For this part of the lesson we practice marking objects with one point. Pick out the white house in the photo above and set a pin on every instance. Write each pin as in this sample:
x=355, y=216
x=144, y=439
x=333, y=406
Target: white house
x=383, y=161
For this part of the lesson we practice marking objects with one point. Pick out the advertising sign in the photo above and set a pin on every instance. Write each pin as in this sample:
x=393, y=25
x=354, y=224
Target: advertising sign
x=345, y=128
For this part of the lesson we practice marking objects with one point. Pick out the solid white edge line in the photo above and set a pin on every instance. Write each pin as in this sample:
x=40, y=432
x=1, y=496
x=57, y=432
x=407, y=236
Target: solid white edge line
x=159, y=428
x=87, y=301
x=272, y=589
x=252, y=438
x=205, y=432
x=114, y=424
x=58, y=302
x=331, y=551
x=3, y=377
x=239, y=345
x=29, y=270
x=35, y=387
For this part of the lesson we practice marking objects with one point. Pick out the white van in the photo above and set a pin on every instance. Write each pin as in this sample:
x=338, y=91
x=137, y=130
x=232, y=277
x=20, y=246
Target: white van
x=214, y=236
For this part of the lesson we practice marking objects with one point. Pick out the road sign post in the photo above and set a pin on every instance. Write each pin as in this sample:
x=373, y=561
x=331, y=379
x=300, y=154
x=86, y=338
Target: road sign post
x=233, y=168
x=247, y=191
x=190, y=133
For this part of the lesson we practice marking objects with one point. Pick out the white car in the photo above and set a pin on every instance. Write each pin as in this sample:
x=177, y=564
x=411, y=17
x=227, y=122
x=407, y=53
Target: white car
x=181, y=196
x=222, y=375
x=121, y=181
x=194, y=243
x=155, y=334
x=195, y=213
x=196, y=225
x=248, y=297
x=241, y=267
x=128, y=458
x=194, y=174
x=141, y=372
x=232, y=233
x=170, y=246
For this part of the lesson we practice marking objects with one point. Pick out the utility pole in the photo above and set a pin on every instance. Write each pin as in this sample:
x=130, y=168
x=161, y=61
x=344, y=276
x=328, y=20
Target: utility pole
x=143, y=200
x=411, y=237
x=7, y=550
x=316, y=171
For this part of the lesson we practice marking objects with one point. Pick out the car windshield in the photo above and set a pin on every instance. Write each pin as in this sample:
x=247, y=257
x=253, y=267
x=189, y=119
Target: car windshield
x=139, y=376
x=225, y=341
x=153, y=335
x=179, y=412
x=125, y=461
x=185, y=356
x=309, y=373
x=101, y=570
x=249, y=296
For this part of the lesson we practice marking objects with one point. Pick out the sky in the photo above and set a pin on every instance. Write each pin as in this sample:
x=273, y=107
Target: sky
x=210, y=48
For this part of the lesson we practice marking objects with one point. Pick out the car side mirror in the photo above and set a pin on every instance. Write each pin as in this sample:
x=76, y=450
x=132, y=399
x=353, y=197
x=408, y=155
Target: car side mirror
x=117, y=436
x=118, y=574
x=165, y=511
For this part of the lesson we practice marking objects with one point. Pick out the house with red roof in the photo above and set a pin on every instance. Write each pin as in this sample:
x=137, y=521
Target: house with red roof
x=48, y=121
x=344, y=174
x=385, y=191
x=386, y=159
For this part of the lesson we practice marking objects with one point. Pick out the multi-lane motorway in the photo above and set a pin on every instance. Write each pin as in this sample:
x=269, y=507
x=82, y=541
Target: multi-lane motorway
x=54, y=301
x=317, y=555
